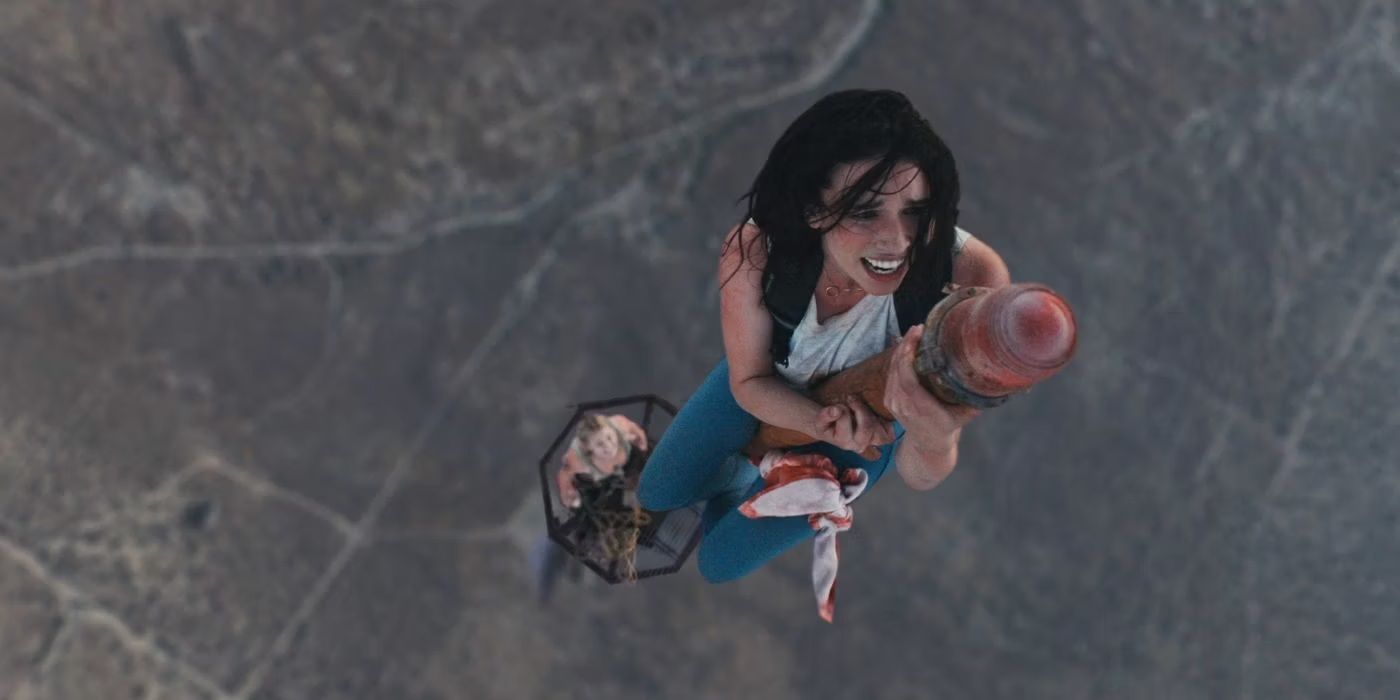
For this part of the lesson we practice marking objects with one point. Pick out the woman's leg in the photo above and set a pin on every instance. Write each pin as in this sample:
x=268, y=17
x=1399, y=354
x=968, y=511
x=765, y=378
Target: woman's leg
x=547, y=562
x=735, y=545
x=690, y=462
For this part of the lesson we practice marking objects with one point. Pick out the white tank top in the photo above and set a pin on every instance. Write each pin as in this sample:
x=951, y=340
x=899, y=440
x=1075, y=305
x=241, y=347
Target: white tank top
x=819, y=350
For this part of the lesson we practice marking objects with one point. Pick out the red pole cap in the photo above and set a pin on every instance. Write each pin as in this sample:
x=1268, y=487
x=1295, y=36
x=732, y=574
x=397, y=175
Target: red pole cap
x=1006, y=340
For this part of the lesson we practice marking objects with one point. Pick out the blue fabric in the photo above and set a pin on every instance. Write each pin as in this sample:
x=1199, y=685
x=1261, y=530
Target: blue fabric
x=698, y=458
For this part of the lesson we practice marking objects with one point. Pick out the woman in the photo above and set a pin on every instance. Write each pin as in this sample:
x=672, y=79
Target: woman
x=849, y=239
x=600, y=448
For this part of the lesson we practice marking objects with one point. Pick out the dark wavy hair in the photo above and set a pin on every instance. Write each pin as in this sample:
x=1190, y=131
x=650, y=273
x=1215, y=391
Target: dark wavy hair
x=845, y=127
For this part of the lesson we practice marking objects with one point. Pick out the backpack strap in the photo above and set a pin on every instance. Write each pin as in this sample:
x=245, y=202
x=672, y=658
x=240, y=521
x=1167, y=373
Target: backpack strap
x=911, y=307
x=787, y=293
x=913, y=302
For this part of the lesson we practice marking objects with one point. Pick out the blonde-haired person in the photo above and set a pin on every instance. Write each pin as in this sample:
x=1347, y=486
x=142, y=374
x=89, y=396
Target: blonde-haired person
x=600, y=448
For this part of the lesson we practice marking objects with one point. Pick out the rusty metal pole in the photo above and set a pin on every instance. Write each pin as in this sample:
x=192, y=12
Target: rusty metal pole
x=980, y=346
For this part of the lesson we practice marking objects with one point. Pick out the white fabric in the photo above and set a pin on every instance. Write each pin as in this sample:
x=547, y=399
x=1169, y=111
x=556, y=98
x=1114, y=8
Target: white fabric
x=819, y=350
x=808, y=484
x=959, y=240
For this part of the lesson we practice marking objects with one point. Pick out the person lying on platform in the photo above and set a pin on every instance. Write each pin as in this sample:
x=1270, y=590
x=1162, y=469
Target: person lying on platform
x=600, y=448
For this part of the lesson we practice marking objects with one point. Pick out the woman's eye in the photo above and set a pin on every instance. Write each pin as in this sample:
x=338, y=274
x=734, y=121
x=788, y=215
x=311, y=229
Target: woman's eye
x=866, y=215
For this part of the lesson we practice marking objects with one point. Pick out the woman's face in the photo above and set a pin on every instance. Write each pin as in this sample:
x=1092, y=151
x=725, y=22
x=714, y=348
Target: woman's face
x=602, y=445
x=870, y=247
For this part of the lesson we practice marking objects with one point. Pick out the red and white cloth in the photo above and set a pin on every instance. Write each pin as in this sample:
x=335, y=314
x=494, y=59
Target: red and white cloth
x=809, y=484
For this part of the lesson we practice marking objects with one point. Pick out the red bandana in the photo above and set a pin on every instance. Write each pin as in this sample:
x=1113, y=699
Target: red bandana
x=808, y=484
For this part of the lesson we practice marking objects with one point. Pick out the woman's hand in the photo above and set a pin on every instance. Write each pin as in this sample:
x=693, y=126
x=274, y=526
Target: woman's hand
x=634, y=433
x=640, y=440
x=852, y=426
x=932, y=423
x=568, y=495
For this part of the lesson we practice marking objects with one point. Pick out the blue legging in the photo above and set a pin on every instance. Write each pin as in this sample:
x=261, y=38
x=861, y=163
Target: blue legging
x=698, y=459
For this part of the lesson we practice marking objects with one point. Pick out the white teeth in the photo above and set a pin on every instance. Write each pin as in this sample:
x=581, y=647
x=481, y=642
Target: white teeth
x=883, y=265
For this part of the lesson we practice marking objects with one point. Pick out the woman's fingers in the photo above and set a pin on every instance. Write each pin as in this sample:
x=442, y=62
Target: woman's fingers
x=846, y=435
x=832, y=418
x=860, y=424
x=873, y=430
x=901, y=370
x=852, y=425
x=828, y=423
x=963, y=415
x=836, y=425
x=870, y=428
x=905, y=368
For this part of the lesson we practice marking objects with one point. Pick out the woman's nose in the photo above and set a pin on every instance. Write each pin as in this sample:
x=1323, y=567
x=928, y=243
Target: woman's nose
x=897, y=235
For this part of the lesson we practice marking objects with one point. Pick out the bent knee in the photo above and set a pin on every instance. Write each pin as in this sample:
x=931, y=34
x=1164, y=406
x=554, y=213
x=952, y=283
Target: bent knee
x=723, y=566
x=718, y=570
x=653, y=495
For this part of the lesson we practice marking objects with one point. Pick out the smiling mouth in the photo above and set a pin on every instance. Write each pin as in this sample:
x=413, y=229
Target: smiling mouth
x=883, y=268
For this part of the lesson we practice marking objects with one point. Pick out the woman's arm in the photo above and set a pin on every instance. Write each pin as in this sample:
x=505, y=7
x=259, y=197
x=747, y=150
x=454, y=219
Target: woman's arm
x=929, y=451
x=568, y=495
x=980, y=266
x=634, y=433
x=748, y=331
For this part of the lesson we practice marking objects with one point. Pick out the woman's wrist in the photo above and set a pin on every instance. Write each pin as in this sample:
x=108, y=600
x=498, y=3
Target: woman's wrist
x=925, y=466
x=933, y=444
x=773, y=402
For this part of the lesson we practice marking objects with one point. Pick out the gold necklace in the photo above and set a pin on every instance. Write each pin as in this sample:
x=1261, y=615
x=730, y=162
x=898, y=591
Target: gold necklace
x=832, y=290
